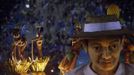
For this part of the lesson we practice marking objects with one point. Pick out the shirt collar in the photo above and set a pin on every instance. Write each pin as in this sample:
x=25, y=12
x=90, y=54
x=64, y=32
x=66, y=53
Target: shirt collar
x=120, y=70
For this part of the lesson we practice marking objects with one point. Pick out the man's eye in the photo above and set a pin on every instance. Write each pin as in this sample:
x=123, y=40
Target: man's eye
x=97, y=48
x=113, y=47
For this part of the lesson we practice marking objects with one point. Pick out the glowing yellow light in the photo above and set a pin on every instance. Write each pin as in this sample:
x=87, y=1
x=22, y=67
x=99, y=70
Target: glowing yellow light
x=40, y=64
x=19, y=66
x=38, y=73
x=131, y=47
x=113, y=9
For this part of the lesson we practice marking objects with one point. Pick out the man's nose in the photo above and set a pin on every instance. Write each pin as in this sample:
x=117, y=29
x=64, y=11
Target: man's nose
x=106, y=54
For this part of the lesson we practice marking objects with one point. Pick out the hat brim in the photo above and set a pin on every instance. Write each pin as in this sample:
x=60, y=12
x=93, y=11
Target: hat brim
x=90, y=35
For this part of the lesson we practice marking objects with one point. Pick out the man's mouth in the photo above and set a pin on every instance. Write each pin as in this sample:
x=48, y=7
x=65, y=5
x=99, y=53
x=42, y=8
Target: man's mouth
x=107, y=62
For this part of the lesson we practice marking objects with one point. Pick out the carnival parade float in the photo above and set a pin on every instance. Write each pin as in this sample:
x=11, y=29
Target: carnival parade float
x=18, y=63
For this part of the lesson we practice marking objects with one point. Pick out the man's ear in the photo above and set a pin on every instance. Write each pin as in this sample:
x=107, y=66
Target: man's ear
x=124, y=40
x=84, y=44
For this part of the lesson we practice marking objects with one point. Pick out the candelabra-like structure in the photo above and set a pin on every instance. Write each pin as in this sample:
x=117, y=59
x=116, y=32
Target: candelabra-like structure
x=40, y=62
x=18, y=64
x=39, y=65
x=21, y=65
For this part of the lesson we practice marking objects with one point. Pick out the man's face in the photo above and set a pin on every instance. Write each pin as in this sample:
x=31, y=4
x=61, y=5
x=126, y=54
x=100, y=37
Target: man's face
x=104, y=53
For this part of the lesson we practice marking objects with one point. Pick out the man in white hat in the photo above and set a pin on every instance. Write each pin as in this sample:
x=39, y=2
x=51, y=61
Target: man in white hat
x=103, y=38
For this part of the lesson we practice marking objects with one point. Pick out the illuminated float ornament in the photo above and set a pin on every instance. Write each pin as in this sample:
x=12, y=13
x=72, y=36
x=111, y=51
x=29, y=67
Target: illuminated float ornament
x=69, y=61
x=39, y=63
x=67, y=65
x=131, y=47
x=131, y=53
x=38, y=73
x=113, y=9
x=19, y=66
x=17, y=63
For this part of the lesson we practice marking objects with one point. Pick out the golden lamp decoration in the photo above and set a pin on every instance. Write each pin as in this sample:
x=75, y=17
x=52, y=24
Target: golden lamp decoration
x=39, y=65
x=113, y=9
x=19, y=66
x=38, y=73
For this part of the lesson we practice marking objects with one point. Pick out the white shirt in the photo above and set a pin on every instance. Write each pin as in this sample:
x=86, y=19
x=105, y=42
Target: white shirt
x=123, y=69
x=120, y=70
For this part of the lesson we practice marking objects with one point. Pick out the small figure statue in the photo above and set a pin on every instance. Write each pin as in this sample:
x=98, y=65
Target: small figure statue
x=21, y=47
x=39, y=42
x=19, y=44
x=16, y=39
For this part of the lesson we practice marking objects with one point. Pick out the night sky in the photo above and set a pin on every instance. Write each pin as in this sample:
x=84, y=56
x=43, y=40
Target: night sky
x=5, y=7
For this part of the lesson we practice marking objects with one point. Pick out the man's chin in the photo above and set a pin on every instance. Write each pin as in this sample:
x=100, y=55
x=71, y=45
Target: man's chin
x=107, y=67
